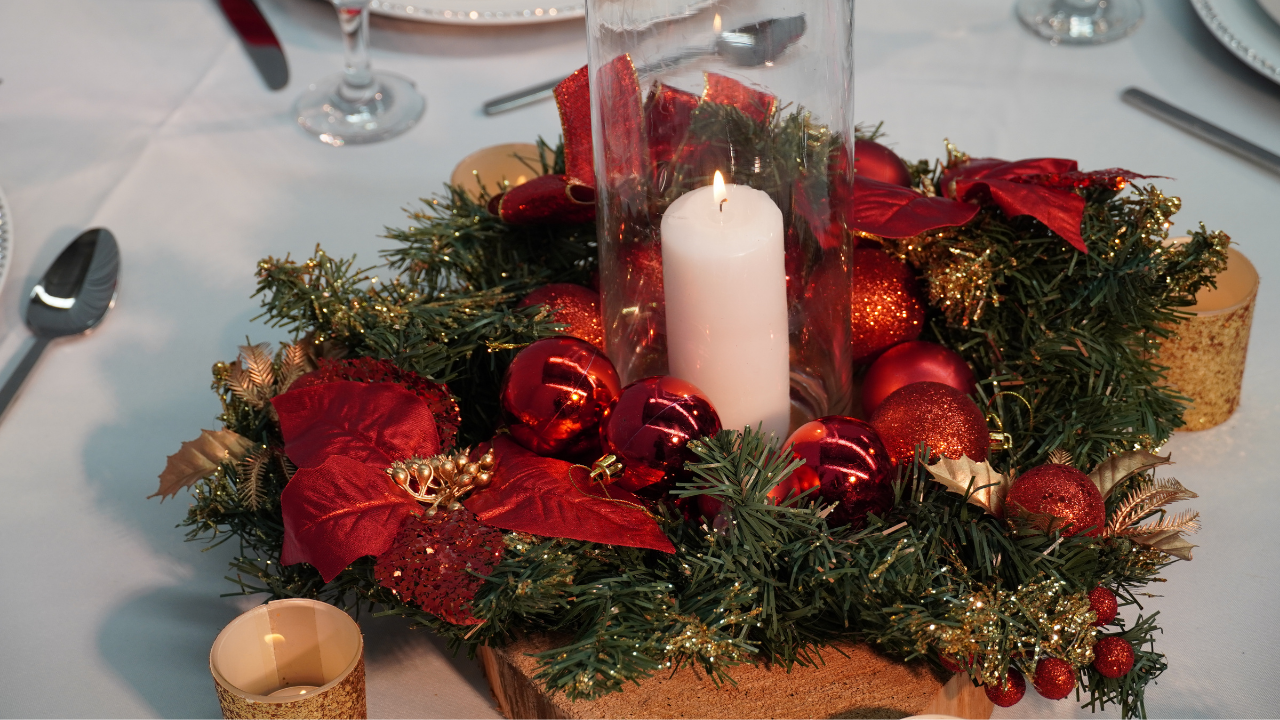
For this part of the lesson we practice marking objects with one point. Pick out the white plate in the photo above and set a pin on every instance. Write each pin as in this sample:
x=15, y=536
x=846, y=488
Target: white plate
x=6, y=237
x=482, y=12
x=1247, y=30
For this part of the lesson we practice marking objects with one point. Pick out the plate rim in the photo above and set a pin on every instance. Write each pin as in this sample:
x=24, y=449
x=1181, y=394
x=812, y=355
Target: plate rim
x=431, y=12
x=6, y=237
x=1212, y=19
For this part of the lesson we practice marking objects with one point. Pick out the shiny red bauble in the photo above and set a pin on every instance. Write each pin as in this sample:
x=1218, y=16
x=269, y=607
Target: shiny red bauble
x=937, y=415
x=649, y=427
x=887, y=305
x=1113, y=657
x=574, y=306
x=1103, y=603
x=851, y=464
x=1054, y=679
x=877, y=162
x=1057, y=497
x=1008, y=693
x=555, y=394
x=913, y=362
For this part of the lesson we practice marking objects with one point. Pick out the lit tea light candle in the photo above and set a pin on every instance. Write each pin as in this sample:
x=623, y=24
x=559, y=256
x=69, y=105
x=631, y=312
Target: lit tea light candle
x=725, y=281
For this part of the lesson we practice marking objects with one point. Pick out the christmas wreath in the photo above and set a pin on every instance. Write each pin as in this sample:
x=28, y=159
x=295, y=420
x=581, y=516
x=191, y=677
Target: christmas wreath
x=397, y=456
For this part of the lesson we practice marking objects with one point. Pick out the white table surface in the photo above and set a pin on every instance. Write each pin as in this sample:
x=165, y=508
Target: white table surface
x=145, y=116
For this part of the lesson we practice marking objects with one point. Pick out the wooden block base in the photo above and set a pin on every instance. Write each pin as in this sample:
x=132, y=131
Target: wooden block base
x=859, y=684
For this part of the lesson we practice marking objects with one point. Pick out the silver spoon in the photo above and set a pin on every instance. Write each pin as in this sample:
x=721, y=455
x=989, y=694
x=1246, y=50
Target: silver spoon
x=73, y=296
x=748, y=46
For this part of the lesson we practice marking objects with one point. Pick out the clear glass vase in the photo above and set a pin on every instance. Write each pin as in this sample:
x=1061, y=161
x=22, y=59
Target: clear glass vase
x=762, y=92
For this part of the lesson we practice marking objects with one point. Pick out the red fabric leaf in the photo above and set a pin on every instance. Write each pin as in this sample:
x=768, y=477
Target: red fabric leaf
x=892, y=211
x=553, y=498
x=371, y=370
x=573, y=100
x=339, y=511
x=341, y=505
x=1006, y=185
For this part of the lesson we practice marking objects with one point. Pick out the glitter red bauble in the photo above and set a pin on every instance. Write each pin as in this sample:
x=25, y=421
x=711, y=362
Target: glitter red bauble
x=852, y=466
x=913, y=362
x=574, y=306
x=649, y=427
x=1103, y=603
x=1008, y=693
x=1113, y=657
x=1060, y=493
x=1054, y=679
x=877, y=162
x=554, y=395
x=938, y=415
x=887, y=305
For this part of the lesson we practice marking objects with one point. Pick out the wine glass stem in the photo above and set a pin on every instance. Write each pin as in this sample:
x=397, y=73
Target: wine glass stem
x=358, y=85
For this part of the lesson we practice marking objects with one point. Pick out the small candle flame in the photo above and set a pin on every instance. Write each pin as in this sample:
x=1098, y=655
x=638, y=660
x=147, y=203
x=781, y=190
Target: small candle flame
x=718, y=192
x=715, y=24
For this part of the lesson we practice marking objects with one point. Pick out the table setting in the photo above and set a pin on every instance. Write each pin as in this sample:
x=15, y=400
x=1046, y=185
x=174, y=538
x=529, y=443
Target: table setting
x=638, y=358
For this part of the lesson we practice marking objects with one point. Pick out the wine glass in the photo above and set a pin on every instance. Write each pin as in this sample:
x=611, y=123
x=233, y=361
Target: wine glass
x=358, y=105
x=1080, y=22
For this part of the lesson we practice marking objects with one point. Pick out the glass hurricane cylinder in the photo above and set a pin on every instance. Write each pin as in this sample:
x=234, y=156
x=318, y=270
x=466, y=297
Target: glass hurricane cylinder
x=761, y=91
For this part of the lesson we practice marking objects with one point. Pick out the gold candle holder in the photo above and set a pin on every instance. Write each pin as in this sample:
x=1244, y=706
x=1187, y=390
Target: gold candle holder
x=290, y=659
x=498, y=168
x=1206, y=358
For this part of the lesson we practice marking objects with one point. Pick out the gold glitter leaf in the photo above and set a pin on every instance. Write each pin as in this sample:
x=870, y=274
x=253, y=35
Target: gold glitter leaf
x=199, y=458
x=1167, y=541
x=1117, y=468
x=294, y=363
x=258, y=368
x=985, y=487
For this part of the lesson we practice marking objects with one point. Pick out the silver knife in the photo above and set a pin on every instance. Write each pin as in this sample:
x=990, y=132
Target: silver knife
x=259, y=41
x=1202, y=129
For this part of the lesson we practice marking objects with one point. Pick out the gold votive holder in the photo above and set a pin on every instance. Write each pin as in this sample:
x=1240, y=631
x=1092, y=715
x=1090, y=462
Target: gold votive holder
x=1206, y=358
x=498, y=168
x=290, y=659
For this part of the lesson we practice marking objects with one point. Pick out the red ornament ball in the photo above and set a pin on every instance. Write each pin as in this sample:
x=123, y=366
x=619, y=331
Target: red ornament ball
x=1008, y=693
x=649, y=427
x=913, y=362
x=851, y=466
x=555, y=394
x=1063, y=495
x=574, y=306
x=887, y=305
x=1113, y=657
x=1103, y=603
x=938, y=415
x=877, y=162
x=1055, y=678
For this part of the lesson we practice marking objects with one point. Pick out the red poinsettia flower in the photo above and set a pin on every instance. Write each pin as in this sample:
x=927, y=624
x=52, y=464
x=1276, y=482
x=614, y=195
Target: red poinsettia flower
x=341, y=505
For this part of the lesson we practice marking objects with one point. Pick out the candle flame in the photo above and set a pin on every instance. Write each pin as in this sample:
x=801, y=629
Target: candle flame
x=715, y=24
x=718, y=192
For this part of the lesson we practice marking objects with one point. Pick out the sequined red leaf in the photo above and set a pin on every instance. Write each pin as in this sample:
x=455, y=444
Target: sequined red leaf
x=438, y=563
x=553, y=498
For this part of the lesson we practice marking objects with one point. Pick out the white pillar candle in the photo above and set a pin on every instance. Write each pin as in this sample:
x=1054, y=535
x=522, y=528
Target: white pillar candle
x=725, y=281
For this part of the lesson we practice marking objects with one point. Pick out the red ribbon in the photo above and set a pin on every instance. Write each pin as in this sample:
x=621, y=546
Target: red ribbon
x=341, y=505
x=645, y=136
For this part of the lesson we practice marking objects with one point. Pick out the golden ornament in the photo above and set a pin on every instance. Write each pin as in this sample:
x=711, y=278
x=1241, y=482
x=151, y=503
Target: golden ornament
x=441, y=481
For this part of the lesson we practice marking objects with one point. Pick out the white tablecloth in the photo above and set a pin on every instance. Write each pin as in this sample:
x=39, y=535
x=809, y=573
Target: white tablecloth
x=145, y=116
